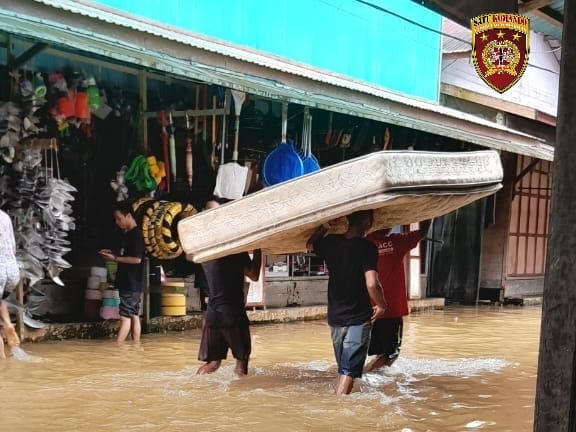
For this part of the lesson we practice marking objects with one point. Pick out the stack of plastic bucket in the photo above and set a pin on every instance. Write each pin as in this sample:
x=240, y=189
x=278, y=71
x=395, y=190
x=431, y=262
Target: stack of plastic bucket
x=173, y=298
x=93, y=297
x=110, y=305
x=112, y=268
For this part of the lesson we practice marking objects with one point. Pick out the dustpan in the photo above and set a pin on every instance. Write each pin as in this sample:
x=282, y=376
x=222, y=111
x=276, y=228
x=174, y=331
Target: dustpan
x=231, y=177
x=283, y=163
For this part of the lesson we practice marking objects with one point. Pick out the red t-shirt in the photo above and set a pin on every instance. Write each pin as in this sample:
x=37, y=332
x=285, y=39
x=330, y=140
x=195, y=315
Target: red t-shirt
x=391, y=251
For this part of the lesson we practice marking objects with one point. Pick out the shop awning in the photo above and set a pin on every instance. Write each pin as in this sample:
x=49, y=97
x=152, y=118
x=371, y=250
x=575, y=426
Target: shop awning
x=105, y=32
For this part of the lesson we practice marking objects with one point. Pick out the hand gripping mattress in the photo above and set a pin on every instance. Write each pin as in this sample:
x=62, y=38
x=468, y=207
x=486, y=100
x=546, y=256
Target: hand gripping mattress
x=401, y=187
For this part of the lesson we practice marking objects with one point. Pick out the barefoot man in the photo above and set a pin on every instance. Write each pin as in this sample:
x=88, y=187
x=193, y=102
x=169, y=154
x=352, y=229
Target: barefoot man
x=226, y=323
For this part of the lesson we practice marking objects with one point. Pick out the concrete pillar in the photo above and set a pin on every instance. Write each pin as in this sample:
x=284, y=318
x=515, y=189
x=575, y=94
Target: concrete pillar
x=556, y=384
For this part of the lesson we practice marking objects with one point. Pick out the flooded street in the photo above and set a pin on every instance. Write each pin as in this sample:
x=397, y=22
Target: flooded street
x=461, y=369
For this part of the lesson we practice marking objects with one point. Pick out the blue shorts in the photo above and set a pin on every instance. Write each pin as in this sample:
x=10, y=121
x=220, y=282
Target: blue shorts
x=130, y=303
x=351, y=348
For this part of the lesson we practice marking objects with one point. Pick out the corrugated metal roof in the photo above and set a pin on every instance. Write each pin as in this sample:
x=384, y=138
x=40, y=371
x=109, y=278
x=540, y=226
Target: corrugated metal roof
x=377, y=103
x=547, y=20
x=455, y=38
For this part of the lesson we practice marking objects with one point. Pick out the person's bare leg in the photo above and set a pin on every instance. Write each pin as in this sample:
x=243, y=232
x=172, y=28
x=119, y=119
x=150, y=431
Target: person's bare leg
x=2, y=353
x=345, y=384
x=209, y=367
x=241, y=368
x=124, y=330
x=9, y=330
x=377, y=363
x=136, y=329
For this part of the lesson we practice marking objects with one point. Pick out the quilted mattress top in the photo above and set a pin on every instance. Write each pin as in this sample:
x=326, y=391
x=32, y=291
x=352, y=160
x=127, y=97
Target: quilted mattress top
x=401, y=186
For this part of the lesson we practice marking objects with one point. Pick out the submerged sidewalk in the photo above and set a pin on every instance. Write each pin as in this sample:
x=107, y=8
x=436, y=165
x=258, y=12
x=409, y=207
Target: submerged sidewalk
x=108, y=329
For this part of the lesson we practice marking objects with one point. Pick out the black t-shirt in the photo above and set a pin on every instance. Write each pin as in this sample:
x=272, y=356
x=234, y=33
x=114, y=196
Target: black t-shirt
x=225, y=277
x=129, y=277
x=347, y=260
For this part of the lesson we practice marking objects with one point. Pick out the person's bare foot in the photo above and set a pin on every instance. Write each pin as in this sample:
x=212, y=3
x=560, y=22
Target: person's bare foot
x=241, y=368
x=12, y=336
x=208, y=368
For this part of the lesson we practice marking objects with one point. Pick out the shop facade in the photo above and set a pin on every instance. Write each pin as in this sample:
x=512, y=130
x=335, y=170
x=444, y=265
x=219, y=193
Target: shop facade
x=150, y=72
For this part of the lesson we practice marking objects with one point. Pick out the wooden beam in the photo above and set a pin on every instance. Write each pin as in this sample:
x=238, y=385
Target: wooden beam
x=20, y=313
x=481, y=99
x=27, y=55
x=143, y=95
x=526, y=170
x=457, y=55
x=547, y=17
x=529, y=6
x=555, y=403
x=190, y=113
x=545, y=118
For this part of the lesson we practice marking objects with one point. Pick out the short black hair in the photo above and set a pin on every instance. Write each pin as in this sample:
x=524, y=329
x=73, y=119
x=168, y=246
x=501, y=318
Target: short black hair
x=356, y=218
x=123, y=207
x=218, y=199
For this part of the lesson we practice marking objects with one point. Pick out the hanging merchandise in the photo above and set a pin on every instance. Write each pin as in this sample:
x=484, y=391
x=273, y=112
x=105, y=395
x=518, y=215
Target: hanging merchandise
x=139, y=175
x=328, y=136
x=189, y=156
x=157, y=169
x=283, y=163
x=82, y=109
x=309, y=162
x=213, y=159
x=158, y=221
x=231, y=178
x=39, y=86
x=119, y=185
x=93, y=94
x=38, y=203
x=10, y=130
x=172, y=144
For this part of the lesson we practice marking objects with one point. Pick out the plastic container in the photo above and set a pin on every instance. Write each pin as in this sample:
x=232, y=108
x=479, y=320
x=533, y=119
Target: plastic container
x=110, y=294
x=93, y=282
x=92, y=309
x=112, y=302
x=102, y=272
x=111, y=269
x=173, y=304
x=93, y=294
x=109, y=312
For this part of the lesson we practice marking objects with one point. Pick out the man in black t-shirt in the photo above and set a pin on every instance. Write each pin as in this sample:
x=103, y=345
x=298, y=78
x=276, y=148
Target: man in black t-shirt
x=129, y=276
x=353, y=282
x=226, y=324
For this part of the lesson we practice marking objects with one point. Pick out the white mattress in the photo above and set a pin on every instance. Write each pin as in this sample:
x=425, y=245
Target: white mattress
x=401, y=186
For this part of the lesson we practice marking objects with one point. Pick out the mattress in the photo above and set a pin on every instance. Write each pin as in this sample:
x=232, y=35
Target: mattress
x=401, y=187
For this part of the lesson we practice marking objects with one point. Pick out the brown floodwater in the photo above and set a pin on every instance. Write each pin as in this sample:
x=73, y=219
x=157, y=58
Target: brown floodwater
x=461, y=369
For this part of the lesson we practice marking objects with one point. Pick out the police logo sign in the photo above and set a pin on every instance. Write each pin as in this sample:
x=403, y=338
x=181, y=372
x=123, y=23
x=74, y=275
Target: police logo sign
x=500, y=48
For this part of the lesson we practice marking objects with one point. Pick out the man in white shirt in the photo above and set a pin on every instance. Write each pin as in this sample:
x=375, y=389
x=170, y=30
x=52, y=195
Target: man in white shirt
x=9, y=279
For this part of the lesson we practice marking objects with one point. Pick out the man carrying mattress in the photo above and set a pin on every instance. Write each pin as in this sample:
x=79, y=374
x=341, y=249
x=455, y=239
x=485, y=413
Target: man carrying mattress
x=226, y=324
x=386, y=336
x=352, y=284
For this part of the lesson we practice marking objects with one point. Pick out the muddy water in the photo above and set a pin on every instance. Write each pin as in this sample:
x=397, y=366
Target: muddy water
x=460, y=370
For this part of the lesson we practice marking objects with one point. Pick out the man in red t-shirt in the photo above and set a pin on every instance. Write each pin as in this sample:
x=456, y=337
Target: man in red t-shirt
x=386, y=336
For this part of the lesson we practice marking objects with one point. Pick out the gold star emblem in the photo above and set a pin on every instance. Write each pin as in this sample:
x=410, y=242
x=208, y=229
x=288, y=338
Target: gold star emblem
x=484, y=37
x=516, y=36
x=500, y=34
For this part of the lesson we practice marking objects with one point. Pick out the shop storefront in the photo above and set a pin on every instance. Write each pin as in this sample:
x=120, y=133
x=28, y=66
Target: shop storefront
x=160, y=104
